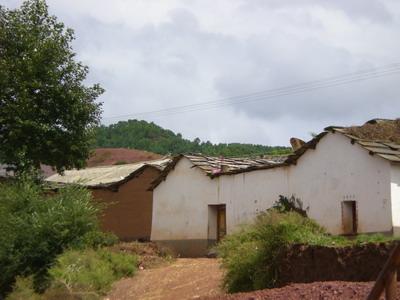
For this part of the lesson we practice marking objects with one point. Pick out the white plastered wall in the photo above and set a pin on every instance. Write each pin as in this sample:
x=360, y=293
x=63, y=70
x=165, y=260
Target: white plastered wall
x=180, y=204
x=336, y=171
x=247, y=194
x=395, y=195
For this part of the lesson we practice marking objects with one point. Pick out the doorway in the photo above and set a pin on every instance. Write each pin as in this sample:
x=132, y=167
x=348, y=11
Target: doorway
x=216, y=222
x=349, y=217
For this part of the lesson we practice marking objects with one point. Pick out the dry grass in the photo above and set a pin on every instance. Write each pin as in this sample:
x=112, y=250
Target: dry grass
x=385, y=131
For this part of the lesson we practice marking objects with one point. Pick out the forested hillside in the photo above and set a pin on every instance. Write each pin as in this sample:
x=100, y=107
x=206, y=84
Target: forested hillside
x=151, y=137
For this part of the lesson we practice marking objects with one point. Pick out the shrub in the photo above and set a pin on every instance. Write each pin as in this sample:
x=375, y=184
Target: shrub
x=96, y=239
x=250, y=255
x=23, y=289
x=35, y=228
x=285, y=204
x=89, y=272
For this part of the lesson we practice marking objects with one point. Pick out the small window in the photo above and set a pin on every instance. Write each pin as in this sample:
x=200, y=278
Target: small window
x=349, y=217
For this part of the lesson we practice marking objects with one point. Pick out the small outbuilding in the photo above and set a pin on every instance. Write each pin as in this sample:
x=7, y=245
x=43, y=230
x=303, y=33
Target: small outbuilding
x=124, y=189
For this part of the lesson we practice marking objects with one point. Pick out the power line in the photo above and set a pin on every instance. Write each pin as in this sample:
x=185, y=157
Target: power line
x=272, y=93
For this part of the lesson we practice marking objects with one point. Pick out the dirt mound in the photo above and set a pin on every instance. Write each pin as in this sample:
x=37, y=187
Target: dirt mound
x=333, y=290
x=150, y=255
x=113, y=156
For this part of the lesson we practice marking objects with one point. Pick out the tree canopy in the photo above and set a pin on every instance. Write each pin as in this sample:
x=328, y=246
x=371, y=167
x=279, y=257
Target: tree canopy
x=47, y=114
x=151, y=137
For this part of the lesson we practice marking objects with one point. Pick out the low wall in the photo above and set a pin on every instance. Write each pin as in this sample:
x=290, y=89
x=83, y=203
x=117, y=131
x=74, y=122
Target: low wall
x=303, y=263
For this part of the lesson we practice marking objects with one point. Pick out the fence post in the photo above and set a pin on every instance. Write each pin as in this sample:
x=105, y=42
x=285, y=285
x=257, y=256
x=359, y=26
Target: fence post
x=387, y=278
x=390, y=284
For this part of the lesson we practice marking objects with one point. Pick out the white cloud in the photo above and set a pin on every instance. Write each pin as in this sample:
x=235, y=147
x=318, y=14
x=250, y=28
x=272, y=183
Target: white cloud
x=151, y=55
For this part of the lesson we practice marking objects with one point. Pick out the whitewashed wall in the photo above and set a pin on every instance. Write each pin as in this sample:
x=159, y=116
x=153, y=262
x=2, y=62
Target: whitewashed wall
x=334, y=172
x=180, y=208
x=337, y=171
x=247, y=194
x=395, y=190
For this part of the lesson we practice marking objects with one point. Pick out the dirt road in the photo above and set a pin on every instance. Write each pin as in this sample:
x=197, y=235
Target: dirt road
x=183, y=279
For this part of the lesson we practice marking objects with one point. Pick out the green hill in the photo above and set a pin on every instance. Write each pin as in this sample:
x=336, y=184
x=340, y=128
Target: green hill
x=151, y=137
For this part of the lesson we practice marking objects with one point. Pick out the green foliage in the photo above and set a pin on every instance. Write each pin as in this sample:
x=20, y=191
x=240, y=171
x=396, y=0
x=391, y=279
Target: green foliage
x=285, y=204
x=23, y=289
x=35, y=228
x=150, y=137
x=97, y=239
x=251, y=256
x=79, y=274
x=90, y=271
x=47, y=114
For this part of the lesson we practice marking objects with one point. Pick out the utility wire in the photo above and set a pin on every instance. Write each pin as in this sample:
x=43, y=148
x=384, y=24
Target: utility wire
x=272, y=93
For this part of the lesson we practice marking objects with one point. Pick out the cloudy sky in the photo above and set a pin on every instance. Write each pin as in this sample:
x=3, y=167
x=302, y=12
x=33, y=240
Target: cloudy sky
x=154, y=55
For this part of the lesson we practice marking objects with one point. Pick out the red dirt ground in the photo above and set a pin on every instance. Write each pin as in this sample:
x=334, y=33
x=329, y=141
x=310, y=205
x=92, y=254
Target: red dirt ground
x=111, y=156
x=185, y=278
x=201, y=278
x=330, y=290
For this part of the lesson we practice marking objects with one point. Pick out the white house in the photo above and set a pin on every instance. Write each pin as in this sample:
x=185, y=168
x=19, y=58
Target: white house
x=351, y=184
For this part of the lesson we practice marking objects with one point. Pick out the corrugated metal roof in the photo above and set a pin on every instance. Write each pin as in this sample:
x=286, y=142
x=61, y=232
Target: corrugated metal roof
x=104, y=176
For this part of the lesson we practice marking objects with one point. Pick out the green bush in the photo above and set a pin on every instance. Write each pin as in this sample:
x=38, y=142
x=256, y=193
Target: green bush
x=251, y=255
x=23, y=289
x=90, y=272
x=35, y=228
x=96, y=239
x=79, y=274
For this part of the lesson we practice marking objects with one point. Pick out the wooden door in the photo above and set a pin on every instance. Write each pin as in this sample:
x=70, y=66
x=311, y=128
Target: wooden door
x=349, y=217
x=221, y=222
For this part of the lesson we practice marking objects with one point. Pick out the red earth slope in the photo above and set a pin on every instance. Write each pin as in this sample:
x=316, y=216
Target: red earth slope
x=112, y=156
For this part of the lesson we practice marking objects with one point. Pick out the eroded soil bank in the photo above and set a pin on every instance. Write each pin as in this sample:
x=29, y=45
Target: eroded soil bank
x=303, y=263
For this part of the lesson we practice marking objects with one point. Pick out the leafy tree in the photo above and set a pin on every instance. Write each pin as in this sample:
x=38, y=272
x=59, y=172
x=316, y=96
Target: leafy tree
x=151, y=137
x=47, y=114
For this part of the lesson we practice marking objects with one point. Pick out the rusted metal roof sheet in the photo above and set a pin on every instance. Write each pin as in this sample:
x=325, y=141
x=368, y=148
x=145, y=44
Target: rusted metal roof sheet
x=105, y=176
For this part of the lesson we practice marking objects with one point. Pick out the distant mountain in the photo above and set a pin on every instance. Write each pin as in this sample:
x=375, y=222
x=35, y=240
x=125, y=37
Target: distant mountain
x=146, y=136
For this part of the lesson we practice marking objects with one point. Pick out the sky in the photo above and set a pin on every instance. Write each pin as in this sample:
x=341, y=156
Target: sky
x=151, y=55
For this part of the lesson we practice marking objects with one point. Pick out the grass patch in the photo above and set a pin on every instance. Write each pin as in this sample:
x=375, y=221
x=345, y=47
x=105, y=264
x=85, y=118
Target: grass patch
x=250, y=256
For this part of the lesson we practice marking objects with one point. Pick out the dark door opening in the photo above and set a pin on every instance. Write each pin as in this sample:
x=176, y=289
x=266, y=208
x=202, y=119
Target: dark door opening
x=349, y=217
x=221, y=222
x=216, y=222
